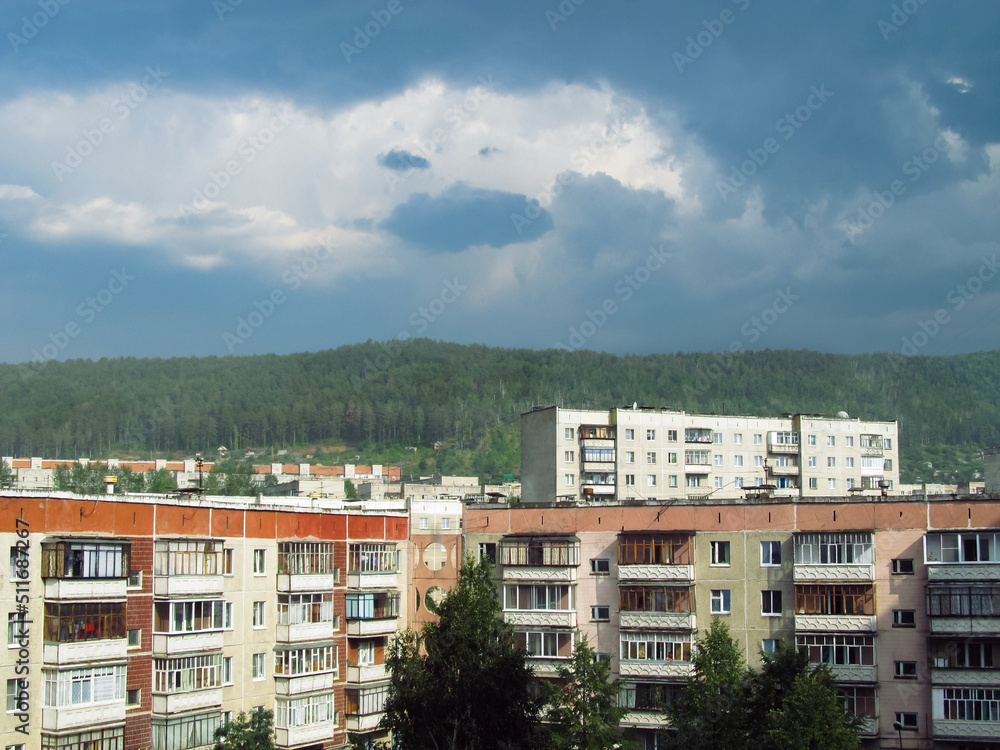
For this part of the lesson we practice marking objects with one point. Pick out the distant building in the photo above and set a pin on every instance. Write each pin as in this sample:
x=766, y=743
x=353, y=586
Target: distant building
x=654, y=454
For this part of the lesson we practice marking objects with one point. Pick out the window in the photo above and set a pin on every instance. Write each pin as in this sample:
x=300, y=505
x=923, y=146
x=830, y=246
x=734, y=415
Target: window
x=904, y=618
x=67, y=622
x=17, y=628
x=838, y=650
x=373, y=606
x=888, y=464
x=672, y=436
x=972, y=704
x=80, y=687
x=630, y=480
x=548, y=644
x=672, y=480
x=189, y=616
x=181, y=558
x=600, y=566
x=445, y=524
x=227, y=562
x=888, y=444
x=650, y=458
x=671, y=458
x=812, y=440
x=298, y=661
x=227, y=670
x=290, y=713
x=19, y=568
x=720, y=602
x=768, y=645
x=258, y=615
x=692, y=480
x=134, y=638
x=717, y=459
x=831, y=441
x=187, y=673
x=259, y=667
x=738, y=482
x=770, y=603
x=537, y=596
x=811, y=462
x=717, y=438
x=831, y=462
x=720, y=553
x=908, y=719
x=568, y=433
x=850, y=462
x=658, y=646
x=738, y=438
x=298, y=609
x=849, y=441
x=82, y=559
x=654, y=549
x=770, y=553
x=835, y=599
x=629, y=434
x=904, y=669
x=14, y=687
x=570, y=480
x=570, y=456
x=600, y=614
x=259, y=562
x=697, y=435
x=785, y=438
x=902, y=566
x=813, y=483
x=489, y=551
x=758, y=439
x=963, y=601
x=966, y=547
x=654, y=599
x=758, y=461
x=424, y=523
x=630, y=457
x=133, y=697
x=135, y=578
x=180, y=731
x=650, y=480
x=650, y=434
x=718, y=483
x=738, y=461
x=850, y=483
x=831, y=483
x=696, y=458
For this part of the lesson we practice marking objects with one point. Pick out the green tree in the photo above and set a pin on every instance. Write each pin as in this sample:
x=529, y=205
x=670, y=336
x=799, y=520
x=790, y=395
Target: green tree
x=583, y=711
x=812, y=717
x=240, y=479
x=160, y=481
x=462, y=683
x=247, y=732
x=6, y=475
x=350, y=491
x=130, y=481
x=62, y=479
x=711, y=710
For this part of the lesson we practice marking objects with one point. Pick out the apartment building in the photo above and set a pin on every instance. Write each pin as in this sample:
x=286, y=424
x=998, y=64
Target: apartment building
x=147, y=622
x=642, y=453
x=900, y=597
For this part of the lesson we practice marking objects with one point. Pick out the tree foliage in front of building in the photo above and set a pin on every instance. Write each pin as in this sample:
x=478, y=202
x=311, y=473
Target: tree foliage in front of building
x=785, y=706
x=251, y=731
x=461, y=683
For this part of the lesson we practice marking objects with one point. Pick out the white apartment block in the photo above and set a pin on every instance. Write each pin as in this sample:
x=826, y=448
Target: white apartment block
x=655, y=454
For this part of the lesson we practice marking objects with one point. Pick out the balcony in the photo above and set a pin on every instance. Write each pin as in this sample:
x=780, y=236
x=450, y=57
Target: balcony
x=306, y=582
x=804, y=573
x=854, y=672
x=836, y=623
x=303, y=683
x=657, y=620
x=964, y=625
x=385, y=626
x=655, y=668
x=304, y=631
x=963, y=572
x=168, y=644
x=958, y=677
x=547, y=665
x=601, y=490
x=304, y=735
x=782, y=448
x=697, y=469
x=379, y=580
x=599, y=467
x=105, y=589
x=540, y=573
x=653, y=572
x=597, y=443
x=547, y=618
x=187, y=585
x=869, y=726
x=84, y=651
x=957, y=729
x=175, y=703
x=366, y=673
x=363, y=722
x=698, y=435
x=778, y=470
x=645, y=719
x=73, y=717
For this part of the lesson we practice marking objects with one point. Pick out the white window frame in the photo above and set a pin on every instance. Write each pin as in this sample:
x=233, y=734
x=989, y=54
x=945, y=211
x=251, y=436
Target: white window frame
x=259, y=667
x=768, y=606
x=767, y=549
x=721, y=602
x=259, y=615
x=260, y=562
x=721, y=551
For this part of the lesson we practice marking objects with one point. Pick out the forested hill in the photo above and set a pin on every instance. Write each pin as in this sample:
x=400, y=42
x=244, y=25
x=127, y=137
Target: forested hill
x=422, y=391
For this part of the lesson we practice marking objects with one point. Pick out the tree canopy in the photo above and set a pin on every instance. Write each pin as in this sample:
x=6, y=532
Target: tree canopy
x=462, y=683
x=251, y=731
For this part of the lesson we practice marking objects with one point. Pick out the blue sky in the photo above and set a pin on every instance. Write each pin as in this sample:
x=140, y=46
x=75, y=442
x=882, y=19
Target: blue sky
x=199, y=178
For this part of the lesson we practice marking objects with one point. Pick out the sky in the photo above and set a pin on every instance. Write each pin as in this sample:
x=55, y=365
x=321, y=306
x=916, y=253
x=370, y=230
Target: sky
x=235, y=177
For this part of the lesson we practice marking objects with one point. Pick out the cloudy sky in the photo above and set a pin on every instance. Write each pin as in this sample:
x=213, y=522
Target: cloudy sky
x=189, y=177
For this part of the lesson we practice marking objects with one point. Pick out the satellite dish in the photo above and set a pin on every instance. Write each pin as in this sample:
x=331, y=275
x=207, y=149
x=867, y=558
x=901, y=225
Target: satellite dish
x=843, y=415
x=635, y=405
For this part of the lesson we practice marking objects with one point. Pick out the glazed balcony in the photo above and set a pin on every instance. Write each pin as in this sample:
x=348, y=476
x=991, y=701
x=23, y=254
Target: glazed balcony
x=77, y=652
x=174, y=703
x=366, y=673
x=169, y=644
x=304, y=683
x=182, y=585
x=73, y=717
x=105, y=589
x=309, y=734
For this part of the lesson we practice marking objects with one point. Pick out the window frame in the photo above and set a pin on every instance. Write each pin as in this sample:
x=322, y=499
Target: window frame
x=720, y=553
x=771, y=546
x=721, y=602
